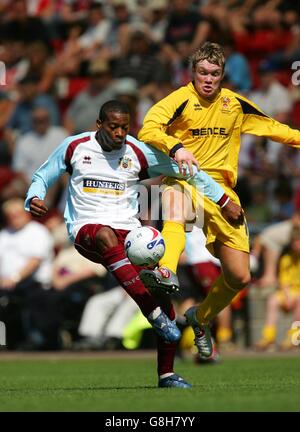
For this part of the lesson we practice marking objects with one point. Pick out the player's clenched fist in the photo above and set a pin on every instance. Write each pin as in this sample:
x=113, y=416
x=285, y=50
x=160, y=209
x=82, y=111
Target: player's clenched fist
x=233, y=213
x=38, y=207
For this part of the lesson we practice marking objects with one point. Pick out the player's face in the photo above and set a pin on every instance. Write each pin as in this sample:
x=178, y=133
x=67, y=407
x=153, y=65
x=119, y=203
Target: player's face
x=116, y=126
x=207, y=79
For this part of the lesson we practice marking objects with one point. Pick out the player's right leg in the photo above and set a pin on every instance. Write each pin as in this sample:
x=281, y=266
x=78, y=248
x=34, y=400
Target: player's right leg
x=176, y=207
x=104, y=245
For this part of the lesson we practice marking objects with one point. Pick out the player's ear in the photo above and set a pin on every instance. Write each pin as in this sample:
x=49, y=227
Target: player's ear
x=223, y=72
x=99, y=124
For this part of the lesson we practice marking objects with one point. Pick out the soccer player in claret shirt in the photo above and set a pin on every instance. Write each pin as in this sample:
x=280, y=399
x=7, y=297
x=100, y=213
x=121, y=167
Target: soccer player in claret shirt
x=102, y=207
x=203, y=122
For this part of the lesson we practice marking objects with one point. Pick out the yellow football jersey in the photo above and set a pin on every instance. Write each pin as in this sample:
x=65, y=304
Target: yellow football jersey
x=289, y=272
x=211, y=130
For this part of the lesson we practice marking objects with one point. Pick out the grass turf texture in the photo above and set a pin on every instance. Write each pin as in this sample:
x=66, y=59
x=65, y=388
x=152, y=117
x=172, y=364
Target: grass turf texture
x=129, y=385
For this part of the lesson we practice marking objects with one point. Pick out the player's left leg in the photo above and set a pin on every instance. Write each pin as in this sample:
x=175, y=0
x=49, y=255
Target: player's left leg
x=235, y=276
x=105, y=245
x=166, y=351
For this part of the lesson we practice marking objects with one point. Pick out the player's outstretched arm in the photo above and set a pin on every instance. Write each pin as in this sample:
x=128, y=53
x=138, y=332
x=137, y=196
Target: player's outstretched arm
x=256, y=122
x=161, y=164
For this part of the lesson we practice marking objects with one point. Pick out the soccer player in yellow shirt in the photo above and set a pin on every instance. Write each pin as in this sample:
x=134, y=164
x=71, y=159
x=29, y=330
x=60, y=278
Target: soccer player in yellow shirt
x=201, y=123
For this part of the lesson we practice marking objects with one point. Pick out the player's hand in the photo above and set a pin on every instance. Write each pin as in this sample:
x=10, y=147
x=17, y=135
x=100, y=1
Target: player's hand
x=233, y=213
x=185, y=159
x=38, y=207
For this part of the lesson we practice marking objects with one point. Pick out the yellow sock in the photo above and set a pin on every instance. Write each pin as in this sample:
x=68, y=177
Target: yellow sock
x=174, y=236
x=224, y=334
x=269, y=333
x=219, y=296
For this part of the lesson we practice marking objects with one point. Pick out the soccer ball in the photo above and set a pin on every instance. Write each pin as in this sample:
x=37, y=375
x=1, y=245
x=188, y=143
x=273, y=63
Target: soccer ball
x=144, y=246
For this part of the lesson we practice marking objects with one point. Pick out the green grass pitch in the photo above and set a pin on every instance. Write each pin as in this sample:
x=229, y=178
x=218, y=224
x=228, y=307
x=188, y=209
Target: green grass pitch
x=129, y=385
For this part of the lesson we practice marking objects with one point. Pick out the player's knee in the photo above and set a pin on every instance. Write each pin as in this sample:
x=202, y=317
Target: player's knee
x=244, y=279
x=106, y=238
x=240, y=280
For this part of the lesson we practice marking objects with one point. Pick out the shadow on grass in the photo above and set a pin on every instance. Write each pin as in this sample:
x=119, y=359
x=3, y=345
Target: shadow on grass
x=47, y=389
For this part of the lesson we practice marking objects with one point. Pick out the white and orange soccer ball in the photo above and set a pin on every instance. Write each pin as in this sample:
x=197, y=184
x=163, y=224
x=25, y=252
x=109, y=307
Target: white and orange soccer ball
x=144, y=246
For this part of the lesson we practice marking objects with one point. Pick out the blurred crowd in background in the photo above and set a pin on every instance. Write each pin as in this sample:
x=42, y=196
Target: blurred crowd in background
x=63, y=59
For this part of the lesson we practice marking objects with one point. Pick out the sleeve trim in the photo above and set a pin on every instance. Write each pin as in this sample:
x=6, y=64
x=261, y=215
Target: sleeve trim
x=70, y=151
x=249, y=109
x=174, y=149
x=223, y=200
x=178, y=112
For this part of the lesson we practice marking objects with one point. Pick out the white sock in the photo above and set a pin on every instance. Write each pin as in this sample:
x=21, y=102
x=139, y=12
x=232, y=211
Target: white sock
x=155, y=313
x=166, y=375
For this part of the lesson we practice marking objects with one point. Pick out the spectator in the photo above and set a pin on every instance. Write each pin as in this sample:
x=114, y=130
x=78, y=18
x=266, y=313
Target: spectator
x=105, y=317
x=139, y=63
x=237, y=68
x=157, y=19
x=269, y=244
x=13, y=55
x=267, y=97
x=186, y=29
x=258, y=212
x=21, y=26
x=126, y=90
x=84, y=108
x=284, y=205
x=34, y=147
x=286, y=297
x=74, y=281
x=30, y=98
x=25, y=269
x=117, y=40
x=40, y=66
x=98, y=27
x=19, y=262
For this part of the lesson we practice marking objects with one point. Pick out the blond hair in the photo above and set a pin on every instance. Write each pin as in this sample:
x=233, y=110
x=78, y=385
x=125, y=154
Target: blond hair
x=212, y=52
x=12, y=203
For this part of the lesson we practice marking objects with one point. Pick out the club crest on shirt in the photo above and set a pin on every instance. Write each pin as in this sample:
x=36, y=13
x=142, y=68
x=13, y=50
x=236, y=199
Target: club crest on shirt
x=87, y=160
x=225, y=101
x=197, y=107
x=125, y=162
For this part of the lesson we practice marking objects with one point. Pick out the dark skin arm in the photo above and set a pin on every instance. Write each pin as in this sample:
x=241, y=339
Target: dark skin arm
x=38, y=207
x=233, y=213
